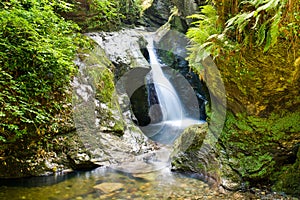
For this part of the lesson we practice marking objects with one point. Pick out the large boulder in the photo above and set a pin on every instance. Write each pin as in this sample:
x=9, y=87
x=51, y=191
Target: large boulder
x=97, y=133
x=158, y=13
x=123, y=48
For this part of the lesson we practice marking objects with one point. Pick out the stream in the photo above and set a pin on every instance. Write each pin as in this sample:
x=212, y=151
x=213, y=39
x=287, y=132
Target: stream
x=105, y=183
x=134, y=180
x=168, y=114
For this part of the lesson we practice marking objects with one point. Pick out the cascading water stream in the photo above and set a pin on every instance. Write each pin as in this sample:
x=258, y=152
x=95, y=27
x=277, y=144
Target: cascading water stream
x=169, y=101
x=167, y=113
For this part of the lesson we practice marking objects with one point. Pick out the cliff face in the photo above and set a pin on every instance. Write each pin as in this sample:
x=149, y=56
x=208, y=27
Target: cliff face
x=261, y=83
x=261, y=135
x=262, y=132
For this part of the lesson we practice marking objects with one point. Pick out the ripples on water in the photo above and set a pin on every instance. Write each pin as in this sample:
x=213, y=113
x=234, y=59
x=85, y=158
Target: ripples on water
x=103, y=183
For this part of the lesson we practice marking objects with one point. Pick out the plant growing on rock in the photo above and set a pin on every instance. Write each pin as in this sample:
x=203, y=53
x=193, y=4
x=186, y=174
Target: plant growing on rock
x=255, y=46
x=240, y=24
x=37, y=48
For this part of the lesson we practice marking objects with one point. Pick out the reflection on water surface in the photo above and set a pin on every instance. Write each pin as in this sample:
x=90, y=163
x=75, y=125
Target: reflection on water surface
x=103, y=183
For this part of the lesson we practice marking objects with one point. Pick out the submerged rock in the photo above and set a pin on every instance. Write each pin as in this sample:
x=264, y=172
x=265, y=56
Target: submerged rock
x=108, y=187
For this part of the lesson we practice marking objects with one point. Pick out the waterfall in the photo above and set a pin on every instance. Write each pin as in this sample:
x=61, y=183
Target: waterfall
x=167, y=113
x=169, y=102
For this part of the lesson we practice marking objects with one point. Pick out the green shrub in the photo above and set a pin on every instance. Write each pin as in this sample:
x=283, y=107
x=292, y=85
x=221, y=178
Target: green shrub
x=37, y=49
x=228, y=27
x=110, y=15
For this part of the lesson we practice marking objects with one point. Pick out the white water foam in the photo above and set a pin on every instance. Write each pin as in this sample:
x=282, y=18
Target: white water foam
x=173, y=120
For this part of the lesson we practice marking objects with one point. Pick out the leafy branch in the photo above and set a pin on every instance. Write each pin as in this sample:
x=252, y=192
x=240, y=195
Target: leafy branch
x=248, y=23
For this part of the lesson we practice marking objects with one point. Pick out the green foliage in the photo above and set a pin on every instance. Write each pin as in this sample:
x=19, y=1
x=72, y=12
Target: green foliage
x=251, y=23
x=205, y=27
x=206, y=19
x=199, y=35
x=206, y=36
x=37, y=48
x=131, y=10
x=262, y=23
x=289, y=178
x=253, y=142
x=110, y=14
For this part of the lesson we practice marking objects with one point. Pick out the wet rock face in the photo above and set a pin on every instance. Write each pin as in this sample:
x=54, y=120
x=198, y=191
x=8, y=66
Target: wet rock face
x=104, y=134
x=193, y=155
x=171, y=50
x=123, y=48
x=158, y=13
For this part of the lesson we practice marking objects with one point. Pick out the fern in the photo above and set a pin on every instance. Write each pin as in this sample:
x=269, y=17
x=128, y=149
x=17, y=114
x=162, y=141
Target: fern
x=268, y=30
x=202, y=35
x=259, y=23
x=273, y=33
x=261, y=34
x=271, y=4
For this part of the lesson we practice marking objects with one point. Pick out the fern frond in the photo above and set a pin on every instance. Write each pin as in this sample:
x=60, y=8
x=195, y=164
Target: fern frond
x=196, y=16
x=271, y=4
x=261, y=33
x=256, y=21
x=273, y=33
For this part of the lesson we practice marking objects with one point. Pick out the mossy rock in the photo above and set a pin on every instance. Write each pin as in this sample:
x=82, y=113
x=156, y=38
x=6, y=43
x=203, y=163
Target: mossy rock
x=261, y=83
x=193, y=155
x=259, y=148
x=288, y=179
x=98, y=73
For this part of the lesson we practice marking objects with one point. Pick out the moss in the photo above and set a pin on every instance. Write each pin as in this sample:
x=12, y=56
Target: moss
x=105, y=86
x=260, y=84
x=118, y=128
x=288, y=179
x=99, y=71
x=256, y=166
x=257, y=147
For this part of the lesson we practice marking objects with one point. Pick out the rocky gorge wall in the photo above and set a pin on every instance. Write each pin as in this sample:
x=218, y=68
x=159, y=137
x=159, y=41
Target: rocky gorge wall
x=98, y=132
x=259, y=144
